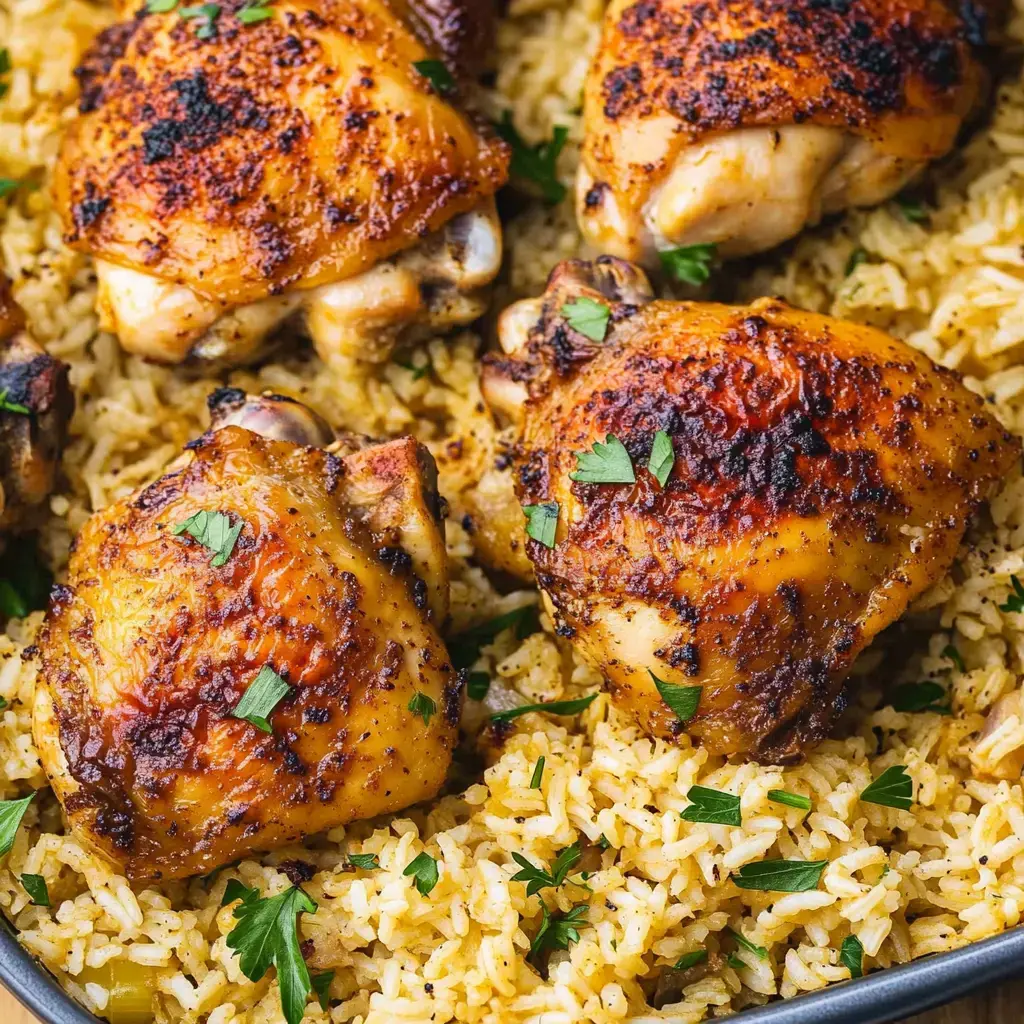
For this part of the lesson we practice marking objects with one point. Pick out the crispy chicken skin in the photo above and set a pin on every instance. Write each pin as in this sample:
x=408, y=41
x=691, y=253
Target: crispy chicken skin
x=823, y=477
x=338, y=582
x=37, y=406
x=738, y=122
x=297, y=167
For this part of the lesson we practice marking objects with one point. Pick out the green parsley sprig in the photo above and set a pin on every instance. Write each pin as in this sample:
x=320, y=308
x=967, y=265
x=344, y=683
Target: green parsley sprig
x=542, y=522
x=214, y=531
x=712, y=806
x=537, y=878
x=11, y=813
x=780, y=875
x=608, y=463
x=690, y=264
x=893, y=788
x=262, y=695
x=553, y=707
x=681, y=700
x=558, y=931
x=535, y=165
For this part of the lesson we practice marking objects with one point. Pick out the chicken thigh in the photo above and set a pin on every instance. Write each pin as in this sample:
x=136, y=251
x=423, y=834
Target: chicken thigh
x=315, y=165
x=738, y=122
x=729, y=503
x=247, y=650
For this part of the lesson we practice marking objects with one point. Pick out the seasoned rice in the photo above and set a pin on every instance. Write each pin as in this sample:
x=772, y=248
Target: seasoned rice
x=906, y=883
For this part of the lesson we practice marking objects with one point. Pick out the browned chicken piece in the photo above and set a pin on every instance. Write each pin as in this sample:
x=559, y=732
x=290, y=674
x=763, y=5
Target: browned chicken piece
x=36, y=403
x=315, y=577
x=738, y=122
x=818, y=476
x=230, y=177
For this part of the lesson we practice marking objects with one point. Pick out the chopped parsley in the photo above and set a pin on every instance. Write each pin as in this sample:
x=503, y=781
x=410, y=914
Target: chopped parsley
x=688, y=960
x=557, y=931
x=537, y=165
x=857, y=257
x=554, y=707
x=8, y=406
x=250, y=14
x=3, y=703
x=681, y=700
x=893, y=788
x=913, y=210
x=416, y=371
x=8, y=186
x=422, y=705
x=35, y=886
x=5, y=66
x=423, y=869
x=950, y=652
x=214, y=531
x=608, y=463
x=477, y=685
x=206, y=15
x=321, y=986
x=537, y=878
x=366, y=861
x=735, y=962
x=1015, y=602
x=782, y=796
x=542, y=522
x=264, y=693
x=926, y=696
x=759, y=951
x=712, y=807
x=780, y=875
x=437, y=74
x=662, y=459
x=851, y=956
x=603, y=841
x=11, y=813
x=588, y=316
x=690, y=264
x=464, y=647
x=25, y=580
x=538, y=773
x=160, y=6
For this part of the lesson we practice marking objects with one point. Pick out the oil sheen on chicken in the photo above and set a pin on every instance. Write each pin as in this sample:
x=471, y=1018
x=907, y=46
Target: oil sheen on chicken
x=822, y=477
x=337, y=582
x=297, y=168
x=738, y=122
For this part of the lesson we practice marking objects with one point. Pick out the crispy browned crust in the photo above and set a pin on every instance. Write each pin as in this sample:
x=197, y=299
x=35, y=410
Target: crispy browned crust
x=148, y=648
x=289, y=153
x=904, y=73
x=824, y=475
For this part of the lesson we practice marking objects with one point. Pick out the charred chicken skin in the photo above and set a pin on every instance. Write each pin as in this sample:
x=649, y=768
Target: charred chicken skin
x=37, y=403
x=820, y=477
x=228, y=177
x=335, y=582
x=738, y=122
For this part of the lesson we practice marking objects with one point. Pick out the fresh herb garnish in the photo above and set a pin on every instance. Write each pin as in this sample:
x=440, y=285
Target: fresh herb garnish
x=264, y=693
x=559, y=930
x=857, y=257
x=538, y=773
x=662, y=459
x=780, y=875
x=416, y=371
x=423, y=868
x=913, y=210
x=321, y=986
x=537, y=164
x=477, y=685
x=1015, y=602
x=267, y=934
x=712, y=807
x=689, y=263
x=11, y=813
x=759, y=951
x=437, y=74
x=207, y=15
x=214, y=531
x=688, y=960
x=537, y=878
x=950, y=652
x=588, y=316
x=5, y=66
x=160, y=6
x=681, y=700
x=25, y=580
x=926, y=696
x=608, y=463
x=851, y=955
x=366, y=861
x=554, y=707
x=8, y=186
x=893, y=788
x=3, y=703
x=464, y=647
x=6, y=406
x=735, y=962
x=250, y=14
x=603, y=841
x=422, y=705
x=782, y=796
x=542, y=522
x=35, y=886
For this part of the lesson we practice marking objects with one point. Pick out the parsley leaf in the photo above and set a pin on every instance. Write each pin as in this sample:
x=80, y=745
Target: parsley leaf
x=537, y=164
x=554, y=707
x=689, y=263
x=5, y=60
x=160, y=6
x=367, y=861
x=464, y=647
x=542, y=522
x=1015, y=602
x=759, y=951
x=851, y=955
x=437, y=74
x=603, y=841
x=920, y=697
x=207, y=14
x=608, y=463
x=424, y=869
x=267, y=934
x=35, y=886
x=214, y=531
x=263, y=694
x=8, y=186
x=3, y=703
x=477, y=685
x=857, y=257
x=781, y=796
x=249, y=15
x=422, y=705
x=416, y=371
x=537, y=878
x=559, y=930
x=682, y=700
x=588, y=316
x=949, y=651
x=7, y=406
x=893, y=788
x=25, y=580
x=538, y=773
x=688, y=960
x=321, y=986
x=780, y=875
x=712, y=806
x=662, y=458
x=11, y=813
x=913, y=210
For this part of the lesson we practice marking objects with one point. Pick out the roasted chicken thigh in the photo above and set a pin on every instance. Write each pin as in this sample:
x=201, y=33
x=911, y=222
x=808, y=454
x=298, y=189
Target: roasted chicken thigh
x=732, y=498
x=738, y=122
x=304, y=584
x=315, y=165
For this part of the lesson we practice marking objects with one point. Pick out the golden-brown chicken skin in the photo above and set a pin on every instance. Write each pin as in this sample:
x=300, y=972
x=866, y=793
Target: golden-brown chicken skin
x=227, y=183
x=823, y=476
x=737, y=122
x=337, y=582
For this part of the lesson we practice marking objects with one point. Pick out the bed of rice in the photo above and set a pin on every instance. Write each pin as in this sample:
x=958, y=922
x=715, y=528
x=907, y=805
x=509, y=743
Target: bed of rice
x=907, y=883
